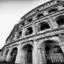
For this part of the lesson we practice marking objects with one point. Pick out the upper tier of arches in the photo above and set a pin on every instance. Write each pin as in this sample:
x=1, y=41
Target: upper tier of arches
x=22, y=29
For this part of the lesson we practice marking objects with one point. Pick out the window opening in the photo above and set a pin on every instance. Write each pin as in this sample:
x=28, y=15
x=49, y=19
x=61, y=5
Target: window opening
x=28, y=49
x=13, y=55
x=53, y=10
x=23, y=23
x=39, y=16
x=19, y=34
x=29, y=31
x=60, y=20
x=43, y=26
x=30, y=20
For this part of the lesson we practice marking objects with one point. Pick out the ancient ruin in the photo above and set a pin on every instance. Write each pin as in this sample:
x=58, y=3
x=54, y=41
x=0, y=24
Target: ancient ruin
x=38, y=38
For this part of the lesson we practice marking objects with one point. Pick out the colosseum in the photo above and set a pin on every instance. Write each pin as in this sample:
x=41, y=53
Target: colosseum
x=38, y=38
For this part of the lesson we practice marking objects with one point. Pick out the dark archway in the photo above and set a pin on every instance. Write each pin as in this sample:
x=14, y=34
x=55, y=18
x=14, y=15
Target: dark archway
x=60, y=20
x=19, y=34
x=53, y=10
x=28, y=51
x=13, y=55
x=43, y=26
x=7, y=52
x=29, y=31
x=53, y=53
x=40, y=15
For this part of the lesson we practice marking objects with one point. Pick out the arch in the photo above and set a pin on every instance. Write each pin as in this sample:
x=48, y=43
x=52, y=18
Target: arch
x=43, y=26
x=29, y=31
x=30, y=20
x=53, y=10
x=60, y=20
x=13, y=55
x=19, y=34
x=23, y=23
x=40, y=15
x=28, y=53
x=58, y=49
x=58, y=1
x=53, y=52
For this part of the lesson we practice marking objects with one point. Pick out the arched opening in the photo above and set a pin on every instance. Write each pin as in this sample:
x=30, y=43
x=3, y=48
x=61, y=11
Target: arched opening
x=43, y=26
x=53, y=10
x=60, y=20
x=39, y=15
x=16, y=27
x=30, y=20
x=29, y=31
x=53, y=53
x=23, y=23
x=28, y=53
x=13, y=55
x=58, y=1
x=19, y=34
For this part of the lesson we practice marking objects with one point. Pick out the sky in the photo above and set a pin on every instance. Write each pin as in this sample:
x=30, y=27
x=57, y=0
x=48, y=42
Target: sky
x=10, y=13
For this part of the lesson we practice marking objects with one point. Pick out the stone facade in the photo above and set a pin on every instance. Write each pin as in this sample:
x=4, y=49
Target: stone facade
x=38, y=38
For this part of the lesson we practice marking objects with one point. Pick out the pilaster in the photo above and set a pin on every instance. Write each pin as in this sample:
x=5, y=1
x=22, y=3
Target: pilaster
x=8, y=56
x=20, y=55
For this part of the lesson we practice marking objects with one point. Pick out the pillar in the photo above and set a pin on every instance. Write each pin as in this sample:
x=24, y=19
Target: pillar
x=8, y=55
x=20, y=55
x=37, y=55
x=61, y=42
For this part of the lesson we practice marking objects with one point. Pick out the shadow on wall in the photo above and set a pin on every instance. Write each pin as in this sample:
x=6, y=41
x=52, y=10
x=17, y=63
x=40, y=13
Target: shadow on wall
x=53, y=53
x=4, y=62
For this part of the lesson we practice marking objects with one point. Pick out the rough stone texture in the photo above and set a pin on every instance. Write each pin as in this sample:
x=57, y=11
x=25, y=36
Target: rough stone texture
x=45, y=45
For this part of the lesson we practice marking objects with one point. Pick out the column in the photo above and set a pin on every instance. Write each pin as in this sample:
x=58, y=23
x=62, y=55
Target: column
x=20, y=55
x=42, y=54
x=36, y=54
x=61, y=42
x=4, y=55
x=39, y=53
x=8, y=55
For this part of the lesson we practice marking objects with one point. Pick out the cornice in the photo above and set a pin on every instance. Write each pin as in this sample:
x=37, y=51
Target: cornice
x=51, y=33
x=32, y=12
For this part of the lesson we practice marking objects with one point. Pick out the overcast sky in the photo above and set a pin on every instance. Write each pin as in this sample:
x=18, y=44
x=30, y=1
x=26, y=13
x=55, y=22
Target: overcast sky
x=10, y=13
